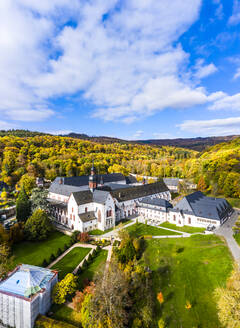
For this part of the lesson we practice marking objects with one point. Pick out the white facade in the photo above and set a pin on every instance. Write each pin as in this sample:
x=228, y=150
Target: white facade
x=20, y=311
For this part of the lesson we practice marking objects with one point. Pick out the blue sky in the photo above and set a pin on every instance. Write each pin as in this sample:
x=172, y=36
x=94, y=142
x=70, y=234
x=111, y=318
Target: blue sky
x=134, y=69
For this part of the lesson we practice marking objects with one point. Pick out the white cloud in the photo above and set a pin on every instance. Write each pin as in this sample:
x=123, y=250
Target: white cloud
x=163, y=135
x=226, y=102
x=226, y=126
x=202, y=70
x=235, y=18
x=128, y=66
x=6, y=126
x=237, y=74
x=137, y=134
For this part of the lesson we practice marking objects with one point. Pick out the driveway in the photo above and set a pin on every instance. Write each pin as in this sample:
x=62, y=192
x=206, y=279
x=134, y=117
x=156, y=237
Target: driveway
x=226, y=231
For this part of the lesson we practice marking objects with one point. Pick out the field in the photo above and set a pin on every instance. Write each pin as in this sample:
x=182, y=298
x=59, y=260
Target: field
x=66, y=314
x=70, y=261
x=96, y=264
x=140, y=229
x=35, y=252
x=188, y=269
x=183, y=229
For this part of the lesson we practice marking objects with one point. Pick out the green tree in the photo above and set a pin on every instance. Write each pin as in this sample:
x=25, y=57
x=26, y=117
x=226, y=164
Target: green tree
x=38, y=226
x=39, y=199
x=23, y=206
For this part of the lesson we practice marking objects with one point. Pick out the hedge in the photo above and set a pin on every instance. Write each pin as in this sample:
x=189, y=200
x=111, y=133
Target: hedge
x=45, y=322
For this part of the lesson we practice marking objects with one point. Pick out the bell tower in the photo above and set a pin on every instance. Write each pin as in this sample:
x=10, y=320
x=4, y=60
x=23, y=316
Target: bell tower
x=92, y=179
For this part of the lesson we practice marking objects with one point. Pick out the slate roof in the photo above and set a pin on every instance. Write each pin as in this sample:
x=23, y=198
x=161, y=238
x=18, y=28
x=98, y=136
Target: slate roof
x=171, y=181
x=156, y=202
x=84, y=179
x=83, y=197
x=200, y=205
x=139, y=191
x=88, y=216
x=56, y=203
x=100, y=196
x=65, y=190
x=131, y=179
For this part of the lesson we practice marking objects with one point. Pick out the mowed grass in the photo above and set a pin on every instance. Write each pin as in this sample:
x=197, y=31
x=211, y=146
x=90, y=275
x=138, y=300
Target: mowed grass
x=96, y=264
x=35, y=252
x=183, y=229
x=237, y=238
x=188, y=269
x=140, y=229
x=66, y=314
x=70, y=261
x=98, y=232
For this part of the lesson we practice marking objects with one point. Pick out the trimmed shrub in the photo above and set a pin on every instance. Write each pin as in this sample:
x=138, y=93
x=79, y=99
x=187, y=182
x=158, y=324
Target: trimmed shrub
x=85, y=264
x=98, y=248
x=52, y=258
x=79, y=271
x=94, y=253
x=45, y=263
x=59, y=252
x=65, y=247
x=90, y=257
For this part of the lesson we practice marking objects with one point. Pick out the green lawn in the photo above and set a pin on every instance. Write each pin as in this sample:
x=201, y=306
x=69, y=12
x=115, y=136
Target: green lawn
x=96, y=264
x=183, y=229
x=237, y=238
x=35, y=252
x=98, y=232
x=140, y=229
x=70, y=261
x=188, y=269
x=66, y=314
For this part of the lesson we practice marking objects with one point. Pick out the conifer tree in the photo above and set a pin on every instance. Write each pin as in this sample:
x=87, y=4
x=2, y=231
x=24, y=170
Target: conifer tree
x=23, y=206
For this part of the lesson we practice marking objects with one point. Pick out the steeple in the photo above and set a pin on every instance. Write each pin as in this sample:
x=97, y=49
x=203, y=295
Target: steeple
x=92, y=179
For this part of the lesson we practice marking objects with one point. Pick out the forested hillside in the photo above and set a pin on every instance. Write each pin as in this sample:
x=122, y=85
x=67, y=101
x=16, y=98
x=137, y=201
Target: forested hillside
x=215, y=170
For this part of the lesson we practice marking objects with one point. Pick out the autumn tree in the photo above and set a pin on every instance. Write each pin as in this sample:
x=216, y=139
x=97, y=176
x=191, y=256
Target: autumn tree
x=6, y=261
x=64, y=288
x=28, y=183
x=228, y=301
x=106, y=307
x=201, y=186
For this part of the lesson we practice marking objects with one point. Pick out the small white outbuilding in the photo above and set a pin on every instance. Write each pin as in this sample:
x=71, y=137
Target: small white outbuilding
x=25, y=294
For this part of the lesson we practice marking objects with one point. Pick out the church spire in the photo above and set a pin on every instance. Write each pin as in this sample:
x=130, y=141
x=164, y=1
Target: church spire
x=92, y=179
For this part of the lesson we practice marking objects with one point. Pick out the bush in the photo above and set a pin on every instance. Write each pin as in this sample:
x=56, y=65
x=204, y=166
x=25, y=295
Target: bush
x=90, y=257
x=85, y=264
x=94, y=253
x=59, y=252
x=79, y=271
x=147, y=237
x=98, y=248
x=45, y=263
x=45, y=322
x=65, y=247
x=52, y=258
x=74, y=237
x=83, y=237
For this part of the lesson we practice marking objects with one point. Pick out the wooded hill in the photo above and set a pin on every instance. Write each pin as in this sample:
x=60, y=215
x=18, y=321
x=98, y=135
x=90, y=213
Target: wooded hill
x=216, y=169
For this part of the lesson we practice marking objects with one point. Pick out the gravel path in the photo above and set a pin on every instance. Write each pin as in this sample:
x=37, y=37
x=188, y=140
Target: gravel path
x=226, y=231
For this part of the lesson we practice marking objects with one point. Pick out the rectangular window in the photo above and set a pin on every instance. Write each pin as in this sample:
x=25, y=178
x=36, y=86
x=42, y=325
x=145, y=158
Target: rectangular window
x=73, y=217
x=85, y=209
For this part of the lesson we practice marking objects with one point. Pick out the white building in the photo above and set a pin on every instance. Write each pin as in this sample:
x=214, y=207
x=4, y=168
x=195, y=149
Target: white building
x=25, y=294
x=97, y=201
x=195, y=210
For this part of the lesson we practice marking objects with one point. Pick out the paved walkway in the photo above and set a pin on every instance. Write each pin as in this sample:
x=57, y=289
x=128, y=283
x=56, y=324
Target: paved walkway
x=69, y=250
x=226, y=231
x=113, y=232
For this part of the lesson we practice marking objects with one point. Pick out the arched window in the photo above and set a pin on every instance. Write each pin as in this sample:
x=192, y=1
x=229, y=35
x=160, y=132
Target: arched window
x=189, y=220
x=99, y=216
x=174, y=217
